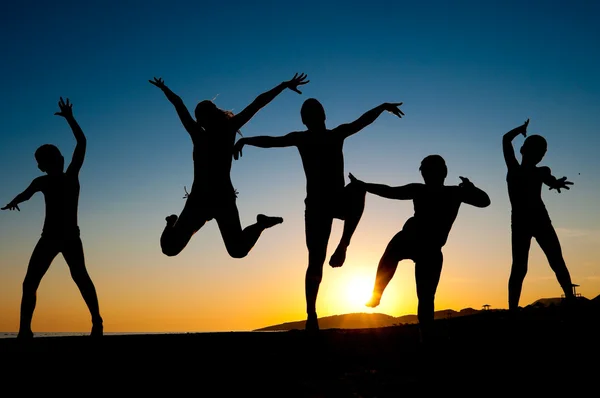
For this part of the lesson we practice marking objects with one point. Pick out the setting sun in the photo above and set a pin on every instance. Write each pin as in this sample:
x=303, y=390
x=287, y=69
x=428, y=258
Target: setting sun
x=358, y=290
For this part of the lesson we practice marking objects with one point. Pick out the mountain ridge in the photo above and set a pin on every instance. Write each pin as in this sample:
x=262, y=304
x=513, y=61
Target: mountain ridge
x=364, y=320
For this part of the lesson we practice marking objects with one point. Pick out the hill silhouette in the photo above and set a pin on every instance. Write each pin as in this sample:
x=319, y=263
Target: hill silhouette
x=377, y=320
x=365, y=320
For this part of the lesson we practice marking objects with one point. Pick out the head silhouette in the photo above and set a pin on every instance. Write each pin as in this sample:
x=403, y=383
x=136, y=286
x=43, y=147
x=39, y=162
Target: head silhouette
x=313, y=114
x=49, y=159
x=534, y=148
x=209, y=116
x=433, y=169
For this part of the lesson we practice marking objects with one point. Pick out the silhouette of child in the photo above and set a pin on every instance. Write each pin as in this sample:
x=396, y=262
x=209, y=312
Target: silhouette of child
x=529, y=217
x=422, y=237
x=327, y=196
x=60, y=232
x=212, y=194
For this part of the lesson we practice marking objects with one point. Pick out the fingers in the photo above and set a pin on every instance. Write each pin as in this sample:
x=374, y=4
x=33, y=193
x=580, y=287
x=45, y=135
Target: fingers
x=296, y=90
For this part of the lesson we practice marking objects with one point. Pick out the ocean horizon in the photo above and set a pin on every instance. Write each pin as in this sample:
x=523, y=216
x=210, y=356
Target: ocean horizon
x=10, y=335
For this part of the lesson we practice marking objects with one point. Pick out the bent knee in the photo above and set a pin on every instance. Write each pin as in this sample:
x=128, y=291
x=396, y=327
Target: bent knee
x=237, y=251
x=170, y=251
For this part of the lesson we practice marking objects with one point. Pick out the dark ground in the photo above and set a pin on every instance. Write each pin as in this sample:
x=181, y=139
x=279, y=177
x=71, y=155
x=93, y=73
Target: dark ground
x=489, y=354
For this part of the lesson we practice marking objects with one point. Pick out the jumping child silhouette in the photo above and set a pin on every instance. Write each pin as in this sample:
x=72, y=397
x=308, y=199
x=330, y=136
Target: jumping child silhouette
x=60, y=232
x=212, y=195
x=327, y=196
x=529, y=217
x=422, y=237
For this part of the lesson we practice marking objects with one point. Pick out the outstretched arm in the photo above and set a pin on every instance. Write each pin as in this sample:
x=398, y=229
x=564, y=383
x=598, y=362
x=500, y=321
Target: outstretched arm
x=507, y=147
x=404, y=192
x=34, y=187
x=262, y=100
x=369, y=117
x=263, y=141
x=473, y=195
x=184, y=115
x=553, y=182
x=66, y=111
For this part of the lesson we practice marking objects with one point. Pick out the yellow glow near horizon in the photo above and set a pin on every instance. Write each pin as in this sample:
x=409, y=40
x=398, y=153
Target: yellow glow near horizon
x=358, y=290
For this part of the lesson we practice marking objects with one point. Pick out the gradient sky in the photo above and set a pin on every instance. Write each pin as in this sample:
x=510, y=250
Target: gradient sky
x=467, y=72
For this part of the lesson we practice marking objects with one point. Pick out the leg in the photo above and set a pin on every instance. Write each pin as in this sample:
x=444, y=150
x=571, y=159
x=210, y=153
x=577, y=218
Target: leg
x=521, y=242
x=353, y=208
x=428, y=269
x=44, y=253
x=388, y=263
x=73, y=254
x=179, y=231
x=239, y=242
x=548, y=241
x=318, y=230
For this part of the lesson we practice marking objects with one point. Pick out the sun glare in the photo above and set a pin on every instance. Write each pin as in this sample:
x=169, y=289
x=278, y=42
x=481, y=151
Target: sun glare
x=358, y=291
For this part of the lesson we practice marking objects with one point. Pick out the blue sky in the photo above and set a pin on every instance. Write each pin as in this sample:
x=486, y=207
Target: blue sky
x=467, y=71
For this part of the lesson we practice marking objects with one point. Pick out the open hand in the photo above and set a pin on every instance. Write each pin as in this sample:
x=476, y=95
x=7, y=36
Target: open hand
x=523, y=128
x=465, y=183
x=237, y=149
x=160, y=83
x=66, y=108
x=394, y=108
x=296, y=81
x=10, y=206
x=561, y=183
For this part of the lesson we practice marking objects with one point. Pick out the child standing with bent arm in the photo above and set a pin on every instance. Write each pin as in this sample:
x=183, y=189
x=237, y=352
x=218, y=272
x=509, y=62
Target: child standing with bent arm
x=60, y=233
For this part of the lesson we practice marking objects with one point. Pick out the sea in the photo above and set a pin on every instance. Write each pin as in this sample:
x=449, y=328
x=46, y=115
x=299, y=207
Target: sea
x=11, y=335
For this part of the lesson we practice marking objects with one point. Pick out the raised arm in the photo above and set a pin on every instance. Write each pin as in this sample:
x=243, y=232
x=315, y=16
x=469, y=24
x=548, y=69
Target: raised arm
x=263, y=99
x=263, y=141
x=404, y=192
x=35, y=186
x=507, y=147
x=472, y=195
x=369, y=117
x=553, y=182
x=66, y=111
x=184, y=115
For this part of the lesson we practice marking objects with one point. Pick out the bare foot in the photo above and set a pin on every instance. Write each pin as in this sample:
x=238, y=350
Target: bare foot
x=312, y=324
x=97, y=330
x=171, y=220
x=25, y=335
x=338, y=257
x=373, y=302
x=268, y=222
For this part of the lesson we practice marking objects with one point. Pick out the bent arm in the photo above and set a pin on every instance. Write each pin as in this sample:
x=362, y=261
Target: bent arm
x=475, y=196
x=403, y=192
x=34, y=187
x=366, y=119
x=80, y=147
x=259, y=102
x=184, y=115
x=507, y=147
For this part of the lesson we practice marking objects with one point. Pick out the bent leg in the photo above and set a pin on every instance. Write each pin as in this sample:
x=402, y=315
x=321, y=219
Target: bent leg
x=239, y=242
x=550, y=245
x=393, y=254
x=73, y=254
x=521, y=242
x=428, y=269
x=179, y=230
x=318, y=230
x=43, y=254
x=353, y=204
